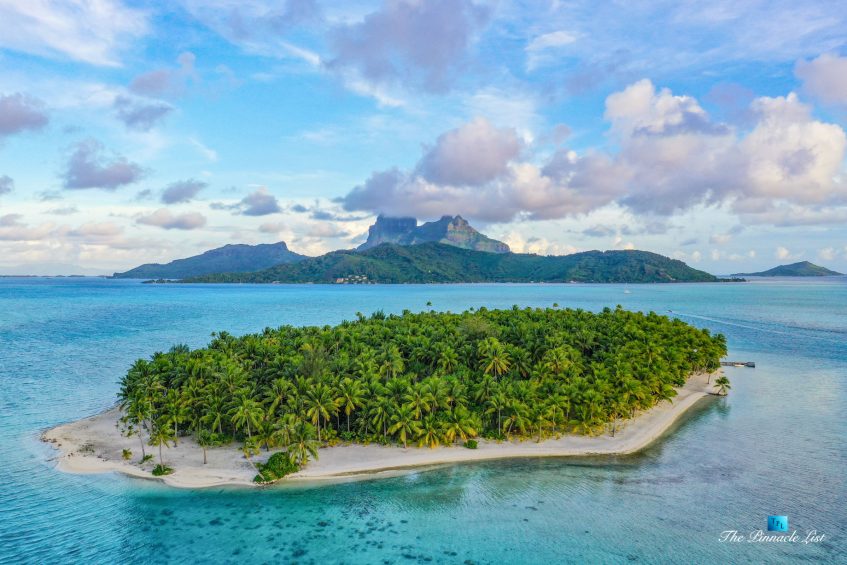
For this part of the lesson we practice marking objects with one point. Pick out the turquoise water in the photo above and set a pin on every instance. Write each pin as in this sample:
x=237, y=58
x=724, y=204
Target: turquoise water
x=776, y=445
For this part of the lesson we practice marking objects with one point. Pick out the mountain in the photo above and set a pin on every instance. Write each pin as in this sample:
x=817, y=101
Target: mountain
x=237, y=258
x=801, y=269
x=441, y=263
x=450, y=230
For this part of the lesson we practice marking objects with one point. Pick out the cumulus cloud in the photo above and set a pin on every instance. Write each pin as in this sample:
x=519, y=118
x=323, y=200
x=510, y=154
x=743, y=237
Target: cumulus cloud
x=473, y=154
x=410, y=41
x=182, y=191
x=13, y=229
x=82, y=30
x=7, y=185
x=259, y=203
x=669, y=156
x=326, y=230
x=96, y=230
x=167, y=82
x=164, y=219
x=20, y=112
x=824, y=78
x=88, y=167
x=827, y=253
x=140, y=114
x=782, y=253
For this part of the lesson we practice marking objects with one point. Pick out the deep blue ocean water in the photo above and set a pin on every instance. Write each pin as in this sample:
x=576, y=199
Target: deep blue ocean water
x=776, y=445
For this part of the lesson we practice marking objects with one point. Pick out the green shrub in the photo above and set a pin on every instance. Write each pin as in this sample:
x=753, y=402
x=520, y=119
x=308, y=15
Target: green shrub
x=146, y=458
x=126, y=454
x=161, y=470
x=277, y=466
x=471, y=444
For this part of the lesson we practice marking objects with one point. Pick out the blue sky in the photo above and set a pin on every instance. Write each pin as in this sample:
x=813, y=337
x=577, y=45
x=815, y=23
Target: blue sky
x=710, y=132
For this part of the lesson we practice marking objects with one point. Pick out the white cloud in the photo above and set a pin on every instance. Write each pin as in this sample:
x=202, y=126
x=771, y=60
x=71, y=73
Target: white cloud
x=89, y=167
x=824, y=78
x=540, y=44
x=163, y=218
x=473, y=154
x=782, y=253
x=90, y=31
x=828, y=253
x=671, y=157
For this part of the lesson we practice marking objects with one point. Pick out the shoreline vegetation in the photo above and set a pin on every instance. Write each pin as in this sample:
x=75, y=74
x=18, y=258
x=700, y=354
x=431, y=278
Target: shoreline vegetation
x=391, y=392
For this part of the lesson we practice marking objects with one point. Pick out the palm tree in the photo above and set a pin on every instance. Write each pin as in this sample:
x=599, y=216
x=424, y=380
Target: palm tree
x=380, y=412
x=723, y=386
x=303, y=443
x=430, y=433
x=418, y=400
x=404, y=424
x=497, y=403
x=351, y=395
x=160, y=436
x=250, y=448
x=246, y=414
x=448, y=360
x=494, y=359
x=459, y=424
x=175, y=411
x=320, y=404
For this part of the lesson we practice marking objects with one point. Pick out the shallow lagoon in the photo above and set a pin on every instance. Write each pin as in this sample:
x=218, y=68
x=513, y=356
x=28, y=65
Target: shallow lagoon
x=775, y=446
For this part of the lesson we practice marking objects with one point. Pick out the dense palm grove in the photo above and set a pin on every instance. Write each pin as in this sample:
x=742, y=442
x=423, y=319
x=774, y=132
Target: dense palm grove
x=426, y=379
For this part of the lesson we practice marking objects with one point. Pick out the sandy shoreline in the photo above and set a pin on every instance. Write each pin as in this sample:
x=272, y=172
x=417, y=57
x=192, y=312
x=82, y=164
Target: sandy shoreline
x=94, y=445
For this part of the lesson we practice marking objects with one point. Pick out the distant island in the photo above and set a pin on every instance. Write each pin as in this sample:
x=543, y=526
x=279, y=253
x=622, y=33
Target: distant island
x=399, y=251
x=440, y=263
x=262, y=405
x=801, y=269
x=229, y=258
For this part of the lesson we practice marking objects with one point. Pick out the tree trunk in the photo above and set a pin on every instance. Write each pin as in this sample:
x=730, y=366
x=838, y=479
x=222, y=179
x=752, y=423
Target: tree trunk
x=161, y=461
x=348, y=422
x=204, y=454
x=141, y=440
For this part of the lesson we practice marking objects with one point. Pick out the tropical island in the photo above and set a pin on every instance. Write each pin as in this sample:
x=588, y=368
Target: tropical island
x=801, y=269
x=389, y=391
x=428, y=263
x=398, y=250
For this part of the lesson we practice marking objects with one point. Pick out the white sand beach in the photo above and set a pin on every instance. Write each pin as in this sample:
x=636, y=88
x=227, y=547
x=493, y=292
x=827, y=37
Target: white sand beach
x=95, y=445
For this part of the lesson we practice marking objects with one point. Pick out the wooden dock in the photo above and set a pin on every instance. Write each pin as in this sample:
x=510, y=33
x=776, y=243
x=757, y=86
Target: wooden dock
x=750, y=364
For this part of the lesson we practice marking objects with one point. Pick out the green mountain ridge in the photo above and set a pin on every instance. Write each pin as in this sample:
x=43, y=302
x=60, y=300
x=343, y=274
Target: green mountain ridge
x=229, y=258
x=442, y=263
x=801, y=269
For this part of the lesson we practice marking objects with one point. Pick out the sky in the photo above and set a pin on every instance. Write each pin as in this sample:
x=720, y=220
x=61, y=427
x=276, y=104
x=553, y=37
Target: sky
x=134, y=132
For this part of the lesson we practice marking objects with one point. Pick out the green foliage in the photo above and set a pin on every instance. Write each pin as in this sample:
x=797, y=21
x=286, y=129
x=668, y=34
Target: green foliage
x=722, y=385
x=471, y=444
x=229, y=258
x=126, y=454
x=162, y=470
x=278, y=466
x=422, y=379
x=801, y=269
x=440, y=263
x=146, y=458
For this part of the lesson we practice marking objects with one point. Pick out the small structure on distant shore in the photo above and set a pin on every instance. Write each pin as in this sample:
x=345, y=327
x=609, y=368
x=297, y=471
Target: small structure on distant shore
x=750, y=364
